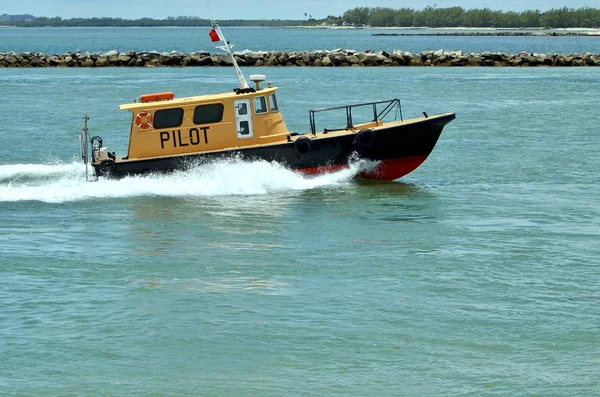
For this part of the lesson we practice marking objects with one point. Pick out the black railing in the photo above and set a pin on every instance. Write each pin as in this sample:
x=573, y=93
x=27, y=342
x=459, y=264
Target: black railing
x=388, y=106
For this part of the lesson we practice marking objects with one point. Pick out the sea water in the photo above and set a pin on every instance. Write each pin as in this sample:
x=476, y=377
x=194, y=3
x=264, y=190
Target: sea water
x=477, y=274
x=94, y=39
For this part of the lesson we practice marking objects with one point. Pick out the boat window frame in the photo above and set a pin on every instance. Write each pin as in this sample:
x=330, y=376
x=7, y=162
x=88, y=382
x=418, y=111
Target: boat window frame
x=265, y=109
x=212, y=121
x=158, y=126
x=273, y=101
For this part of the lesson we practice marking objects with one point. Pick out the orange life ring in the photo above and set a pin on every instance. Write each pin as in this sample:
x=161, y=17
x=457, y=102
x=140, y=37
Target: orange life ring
x=143, y=120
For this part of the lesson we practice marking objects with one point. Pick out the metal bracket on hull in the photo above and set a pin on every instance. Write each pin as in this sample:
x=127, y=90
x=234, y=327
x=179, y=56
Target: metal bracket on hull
x=83, y=142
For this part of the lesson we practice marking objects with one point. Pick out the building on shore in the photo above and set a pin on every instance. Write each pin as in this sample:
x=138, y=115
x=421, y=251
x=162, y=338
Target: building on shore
x=16, y=18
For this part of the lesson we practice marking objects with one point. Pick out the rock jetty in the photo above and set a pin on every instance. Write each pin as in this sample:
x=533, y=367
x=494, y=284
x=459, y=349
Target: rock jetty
x=335, y=58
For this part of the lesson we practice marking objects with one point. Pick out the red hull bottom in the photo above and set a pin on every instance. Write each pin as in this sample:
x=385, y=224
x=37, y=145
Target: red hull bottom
x=387, y=170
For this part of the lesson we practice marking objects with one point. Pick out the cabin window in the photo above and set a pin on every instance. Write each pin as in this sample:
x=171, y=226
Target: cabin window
x=273, y=102
x=207, y=114
x=242, y=109
x=260, y=104
x=168, y=118
x=244, y=128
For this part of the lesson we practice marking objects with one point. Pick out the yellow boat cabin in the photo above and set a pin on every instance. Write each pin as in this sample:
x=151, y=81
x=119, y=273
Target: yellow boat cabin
x=172, y=127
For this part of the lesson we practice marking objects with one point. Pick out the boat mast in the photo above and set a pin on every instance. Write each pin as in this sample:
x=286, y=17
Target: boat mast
x=227, y=48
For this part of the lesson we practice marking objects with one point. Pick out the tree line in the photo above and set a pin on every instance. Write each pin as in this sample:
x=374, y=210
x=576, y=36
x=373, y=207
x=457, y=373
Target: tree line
x=181, y=21
x=585, y=17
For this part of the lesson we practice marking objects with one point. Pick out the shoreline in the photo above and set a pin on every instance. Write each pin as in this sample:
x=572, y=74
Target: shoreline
x=591, y=30
x=321, y=58
x=495, y=34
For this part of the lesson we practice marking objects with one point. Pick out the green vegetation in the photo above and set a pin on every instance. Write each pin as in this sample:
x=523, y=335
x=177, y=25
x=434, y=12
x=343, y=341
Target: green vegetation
x=181, y=21
x=585, y=17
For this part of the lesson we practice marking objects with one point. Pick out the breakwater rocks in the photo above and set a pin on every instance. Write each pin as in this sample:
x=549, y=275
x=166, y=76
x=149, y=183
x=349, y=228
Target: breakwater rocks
x=337, y=57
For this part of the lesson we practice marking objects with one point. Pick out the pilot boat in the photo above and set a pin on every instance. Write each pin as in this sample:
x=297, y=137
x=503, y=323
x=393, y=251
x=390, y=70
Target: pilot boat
x=169, y=133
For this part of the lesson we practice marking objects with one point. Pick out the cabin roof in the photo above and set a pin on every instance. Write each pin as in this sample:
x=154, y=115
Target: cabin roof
x=226, y=96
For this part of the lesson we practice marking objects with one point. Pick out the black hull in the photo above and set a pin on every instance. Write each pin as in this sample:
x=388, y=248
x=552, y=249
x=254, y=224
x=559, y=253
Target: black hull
x=404, y=141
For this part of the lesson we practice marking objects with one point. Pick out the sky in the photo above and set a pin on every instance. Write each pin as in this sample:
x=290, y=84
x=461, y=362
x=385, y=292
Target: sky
x=253, y=9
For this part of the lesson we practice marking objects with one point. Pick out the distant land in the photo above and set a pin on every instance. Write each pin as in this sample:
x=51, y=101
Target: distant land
x=560, y=18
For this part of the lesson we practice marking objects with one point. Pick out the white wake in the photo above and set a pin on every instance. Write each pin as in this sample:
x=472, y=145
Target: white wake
x=66, y=182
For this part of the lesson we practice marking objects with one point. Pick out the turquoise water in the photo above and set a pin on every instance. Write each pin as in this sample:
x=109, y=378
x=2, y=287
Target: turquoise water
x=475, y=275
x=61, y=40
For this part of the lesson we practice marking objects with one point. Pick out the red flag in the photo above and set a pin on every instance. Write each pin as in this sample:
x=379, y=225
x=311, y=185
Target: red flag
x=214, y=35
